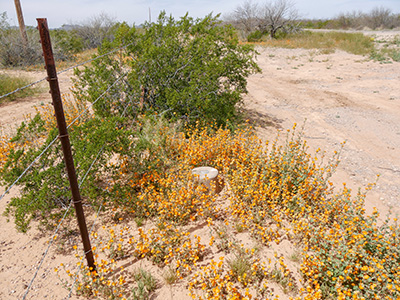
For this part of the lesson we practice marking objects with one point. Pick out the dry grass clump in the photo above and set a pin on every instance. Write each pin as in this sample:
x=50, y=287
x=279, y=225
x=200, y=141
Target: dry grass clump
x=9, y=83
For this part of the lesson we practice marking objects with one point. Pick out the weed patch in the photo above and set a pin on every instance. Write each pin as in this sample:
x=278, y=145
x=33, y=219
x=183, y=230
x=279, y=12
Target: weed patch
x=11, y=83
x=328, y=42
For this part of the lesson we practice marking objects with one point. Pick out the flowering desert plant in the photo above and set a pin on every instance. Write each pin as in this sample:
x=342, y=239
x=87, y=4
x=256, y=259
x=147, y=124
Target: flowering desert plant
x=277, y=192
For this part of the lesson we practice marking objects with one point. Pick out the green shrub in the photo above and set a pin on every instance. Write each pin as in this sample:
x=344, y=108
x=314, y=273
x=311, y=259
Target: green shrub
x=255, y=36
x=44, y=188
x=194, y=70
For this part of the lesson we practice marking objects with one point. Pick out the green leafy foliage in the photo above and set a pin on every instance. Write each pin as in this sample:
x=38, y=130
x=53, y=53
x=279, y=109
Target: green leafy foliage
x=44, y=193
x=69, y=41
x=186, y=69
x=255, y=36
x=194, y=70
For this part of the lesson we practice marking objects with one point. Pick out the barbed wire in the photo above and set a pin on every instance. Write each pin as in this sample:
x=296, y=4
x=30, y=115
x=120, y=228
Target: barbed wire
x=63, y=71
x=22, y=88
x=50, y=144
x=54, y=140
x=73, y=121
x=91, y=166
x=84, y=253
x=59, y=225
x=80, y=184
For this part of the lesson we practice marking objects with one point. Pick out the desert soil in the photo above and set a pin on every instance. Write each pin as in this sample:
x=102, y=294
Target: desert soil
x=339, y=97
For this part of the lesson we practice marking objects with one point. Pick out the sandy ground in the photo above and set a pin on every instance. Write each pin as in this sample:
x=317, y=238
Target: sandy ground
x=12, y=113
x=342, y=97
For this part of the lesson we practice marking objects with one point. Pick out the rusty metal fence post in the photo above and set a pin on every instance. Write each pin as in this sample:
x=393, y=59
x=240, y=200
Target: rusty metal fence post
x=63, y=135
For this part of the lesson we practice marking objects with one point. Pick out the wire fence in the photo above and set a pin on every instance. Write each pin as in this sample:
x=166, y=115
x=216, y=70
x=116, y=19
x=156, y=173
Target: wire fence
x=59, y=225
x=28, y=168
x=47, y=251
x=64, y=71
x=80, y=184
x=55, y=139
x=85, y=175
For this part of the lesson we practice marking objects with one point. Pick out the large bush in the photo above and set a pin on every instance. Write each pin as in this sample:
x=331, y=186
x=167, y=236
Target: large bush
x=194, y=70
x=44, y=192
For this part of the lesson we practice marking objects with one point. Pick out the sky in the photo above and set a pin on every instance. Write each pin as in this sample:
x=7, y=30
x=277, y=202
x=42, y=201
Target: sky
x=59, y=12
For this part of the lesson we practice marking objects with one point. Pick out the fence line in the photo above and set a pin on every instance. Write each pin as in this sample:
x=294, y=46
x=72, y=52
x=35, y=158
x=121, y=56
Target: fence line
x=80, y=183
x=63, y=71
x=73, y=121
x=84, y=253
x=22, y=88
x=54, y=140
x=59, y=225
x=97, y=215
x=54, y=236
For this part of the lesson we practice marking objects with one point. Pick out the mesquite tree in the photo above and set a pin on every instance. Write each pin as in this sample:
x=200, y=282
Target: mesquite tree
x=245, y=17
x=278, y=15
x=270, y=17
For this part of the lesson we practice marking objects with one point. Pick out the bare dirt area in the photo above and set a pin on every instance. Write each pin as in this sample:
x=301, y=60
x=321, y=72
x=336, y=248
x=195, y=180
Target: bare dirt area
x=342, y=97
x=12, y=113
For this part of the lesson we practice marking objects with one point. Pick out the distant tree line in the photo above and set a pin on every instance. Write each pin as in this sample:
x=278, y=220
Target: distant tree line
x=277, y=18
x=377, y=18
x=252, y=20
